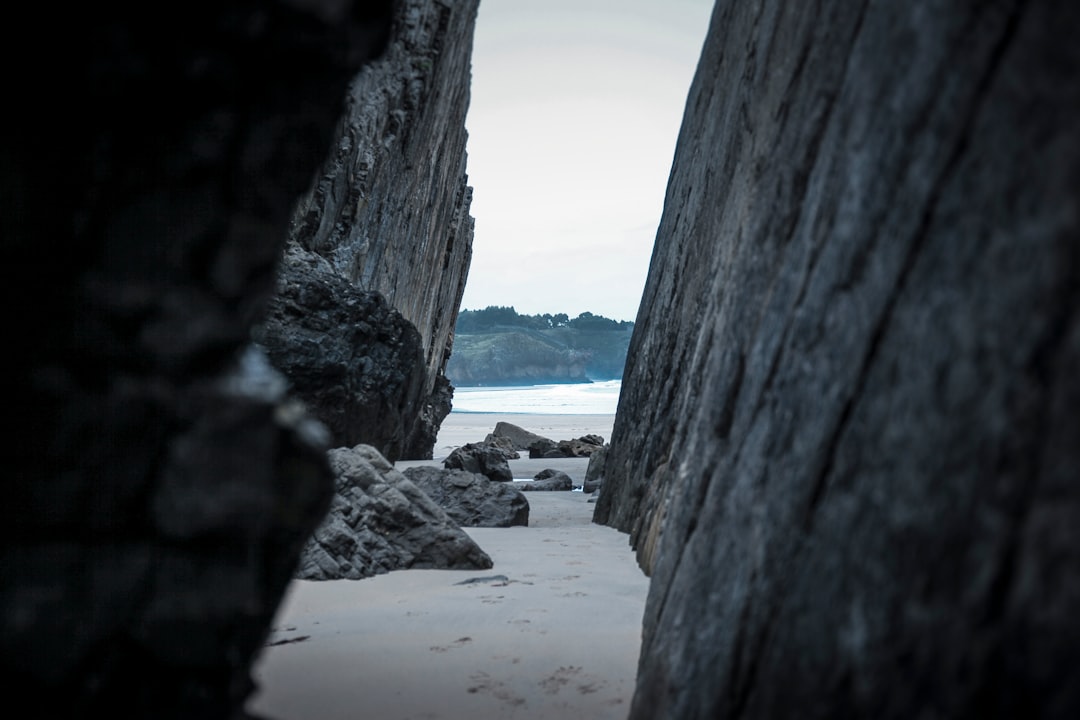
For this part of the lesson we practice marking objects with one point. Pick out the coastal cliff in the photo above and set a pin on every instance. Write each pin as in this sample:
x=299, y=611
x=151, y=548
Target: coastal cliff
x=846, y=445
x=388, y=213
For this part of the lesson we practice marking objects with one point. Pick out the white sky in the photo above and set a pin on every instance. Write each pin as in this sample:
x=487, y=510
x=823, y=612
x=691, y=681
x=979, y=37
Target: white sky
x=574, y=113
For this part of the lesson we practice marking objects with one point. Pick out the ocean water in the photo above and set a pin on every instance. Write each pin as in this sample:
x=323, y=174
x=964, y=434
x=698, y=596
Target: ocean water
x=598, y=398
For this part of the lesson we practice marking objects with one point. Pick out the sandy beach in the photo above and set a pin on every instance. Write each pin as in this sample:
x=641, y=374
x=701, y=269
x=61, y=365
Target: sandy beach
x=553, y=630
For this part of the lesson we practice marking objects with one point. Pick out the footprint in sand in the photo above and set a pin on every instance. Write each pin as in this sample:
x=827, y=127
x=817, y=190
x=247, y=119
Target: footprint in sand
x=485, y=684
x=460, y=642
x=585, y=683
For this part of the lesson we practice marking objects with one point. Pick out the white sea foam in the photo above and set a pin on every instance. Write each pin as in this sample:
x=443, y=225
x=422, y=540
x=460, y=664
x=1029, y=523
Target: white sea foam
x=598, y=398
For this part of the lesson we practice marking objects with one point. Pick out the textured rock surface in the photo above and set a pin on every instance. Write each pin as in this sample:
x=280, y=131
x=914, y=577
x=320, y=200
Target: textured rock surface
x=471, y=499
x=158, y=484
x=356, y=362
x=548, y=480
x=380, y=521
x=390, y=210
x=851, y=400
x=488, y=460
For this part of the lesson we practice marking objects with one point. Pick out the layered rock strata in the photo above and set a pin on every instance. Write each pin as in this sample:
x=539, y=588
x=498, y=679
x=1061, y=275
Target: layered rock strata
x=846, y=443
x=381, y=521
x=389, y=211
x=159, y=482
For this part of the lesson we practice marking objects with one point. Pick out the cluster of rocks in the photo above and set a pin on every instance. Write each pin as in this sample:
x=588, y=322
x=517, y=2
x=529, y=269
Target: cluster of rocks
x=512, y=438
x=383, y=520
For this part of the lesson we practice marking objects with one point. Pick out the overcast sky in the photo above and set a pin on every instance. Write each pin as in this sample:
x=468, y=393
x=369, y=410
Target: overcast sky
x=574, y=114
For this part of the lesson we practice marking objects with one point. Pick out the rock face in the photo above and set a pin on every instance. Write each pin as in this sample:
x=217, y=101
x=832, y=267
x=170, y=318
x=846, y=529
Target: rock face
x=470, y=498
x=356, y=362
x=159, y=483
x=389, y=212
x=846, y=445
x=381, y=521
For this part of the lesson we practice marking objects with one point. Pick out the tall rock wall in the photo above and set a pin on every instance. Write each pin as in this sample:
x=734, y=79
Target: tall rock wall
x=847, y=444
x=159, y=483
x=390, y=209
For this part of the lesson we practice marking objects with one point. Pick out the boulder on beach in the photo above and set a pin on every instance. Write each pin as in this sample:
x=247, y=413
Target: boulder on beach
x=583, y=446
x=488, y=460
x=380, y=521
x=521, y=438
x=471, y=499
x=548, y=479
x=504, y=444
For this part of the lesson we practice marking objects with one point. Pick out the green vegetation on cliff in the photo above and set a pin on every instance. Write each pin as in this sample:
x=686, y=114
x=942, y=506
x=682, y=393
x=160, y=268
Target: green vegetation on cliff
x=497, y=346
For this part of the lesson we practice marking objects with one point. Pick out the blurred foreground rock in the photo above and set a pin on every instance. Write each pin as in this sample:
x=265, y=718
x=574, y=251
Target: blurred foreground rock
x=160, y=483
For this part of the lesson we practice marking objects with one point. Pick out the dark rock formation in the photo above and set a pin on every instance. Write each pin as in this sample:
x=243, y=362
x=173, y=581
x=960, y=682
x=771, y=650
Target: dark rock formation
x=159, y=486
x=389, y=212
x=505, y=446
x=355, y=361
x=594, y=473
x=579, y=447
x=851, y=399
x=471, y=499
x=488, y=460
x=548, y=480
x=380, y=521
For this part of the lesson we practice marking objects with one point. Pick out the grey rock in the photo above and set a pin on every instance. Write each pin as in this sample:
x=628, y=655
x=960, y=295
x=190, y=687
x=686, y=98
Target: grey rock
x=846, y=447
x=160, y=484
x=594, y=473
x=521, y=438
x=389, y=210
x=381, y=521
x=505, y=445
x=488, y=460
x=548, y=480
x=544, y=448
x=470, y=498
x=579, y=447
